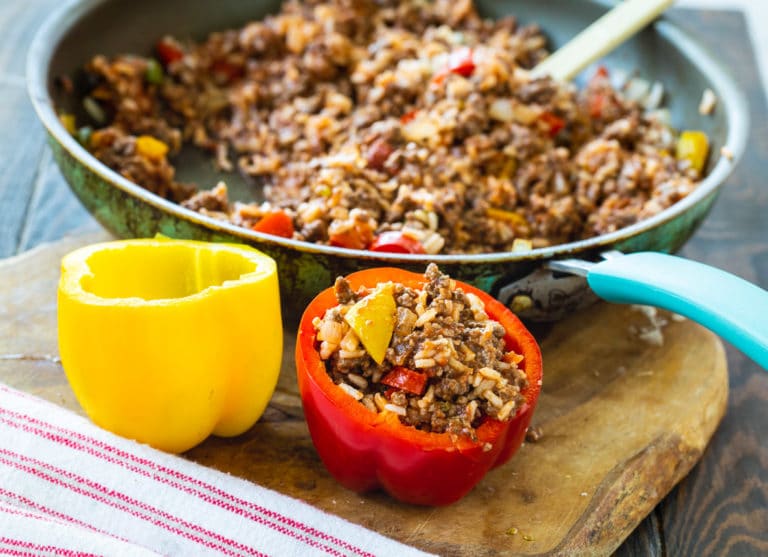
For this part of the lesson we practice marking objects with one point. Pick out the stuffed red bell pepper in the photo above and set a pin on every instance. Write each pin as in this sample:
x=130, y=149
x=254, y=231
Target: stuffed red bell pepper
x=415, y=384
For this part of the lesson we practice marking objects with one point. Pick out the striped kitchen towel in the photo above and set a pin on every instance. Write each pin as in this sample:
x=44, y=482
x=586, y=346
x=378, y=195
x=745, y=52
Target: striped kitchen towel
x=68, y=487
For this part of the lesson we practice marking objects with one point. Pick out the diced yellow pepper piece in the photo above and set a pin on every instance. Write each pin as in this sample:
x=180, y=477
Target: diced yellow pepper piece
x=68, y=121
x=693, y=146
x=168, y=341
x=510, y=167
x=373, y=320
x=510, y=216
x=151, y=148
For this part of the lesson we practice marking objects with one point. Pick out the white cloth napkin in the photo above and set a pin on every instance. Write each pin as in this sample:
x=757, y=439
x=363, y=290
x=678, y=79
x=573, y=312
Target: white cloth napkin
x=68, y=487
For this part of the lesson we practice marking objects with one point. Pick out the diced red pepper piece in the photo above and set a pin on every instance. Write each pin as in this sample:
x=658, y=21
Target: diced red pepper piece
x=168, y=51
x=226, y=70
x=599, y=99
x=554, y=122
x=512, y=357
x=408, y=116
x=597, y=103
x=460, y=62
x=394, y=241
x=599, y=79
x=359, y=236
x=601, y=71
x=347, y=239
x=406, y=380
x=378, y=153
x=277, y=224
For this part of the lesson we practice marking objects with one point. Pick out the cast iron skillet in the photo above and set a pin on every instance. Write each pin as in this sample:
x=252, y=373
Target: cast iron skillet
x=524, y=279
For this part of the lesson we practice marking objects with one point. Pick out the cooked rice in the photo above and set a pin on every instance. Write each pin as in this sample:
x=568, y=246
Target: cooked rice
x=345, y=116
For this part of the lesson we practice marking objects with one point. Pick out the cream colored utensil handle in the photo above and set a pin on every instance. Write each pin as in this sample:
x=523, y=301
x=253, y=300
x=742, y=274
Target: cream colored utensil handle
x=605, y=34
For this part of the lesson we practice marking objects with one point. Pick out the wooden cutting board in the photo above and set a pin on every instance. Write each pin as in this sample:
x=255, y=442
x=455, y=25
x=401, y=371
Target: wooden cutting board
x=623, y=419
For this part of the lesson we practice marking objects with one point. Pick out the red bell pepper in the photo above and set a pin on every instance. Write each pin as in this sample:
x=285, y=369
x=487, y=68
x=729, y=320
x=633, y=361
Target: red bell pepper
x=365, y=450
x=460, y=61
x=226, y=71
x=553, y=122
x=406, y=380
x=601, y=73
x=408, y=116
x=168, y=50
x=394, y=241
x=359, y=236
x=597, y=103
x=277, y=224
x=598, y=97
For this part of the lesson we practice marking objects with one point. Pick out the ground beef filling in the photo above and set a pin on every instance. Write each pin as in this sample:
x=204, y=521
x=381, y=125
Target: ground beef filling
x=442, y=334
x=361, y=117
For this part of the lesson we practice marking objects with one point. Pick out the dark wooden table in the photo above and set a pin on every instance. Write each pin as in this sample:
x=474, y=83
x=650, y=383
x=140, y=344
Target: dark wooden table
x=721, y=508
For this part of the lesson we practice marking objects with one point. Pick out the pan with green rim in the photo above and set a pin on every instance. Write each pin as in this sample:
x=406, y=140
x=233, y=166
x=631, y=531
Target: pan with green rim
x=662, y=52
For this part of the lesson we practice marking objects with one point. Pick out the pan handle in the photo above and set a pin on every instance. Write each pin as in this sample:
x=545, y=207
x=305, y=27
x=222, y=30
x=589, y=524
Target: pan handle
x=728, y=305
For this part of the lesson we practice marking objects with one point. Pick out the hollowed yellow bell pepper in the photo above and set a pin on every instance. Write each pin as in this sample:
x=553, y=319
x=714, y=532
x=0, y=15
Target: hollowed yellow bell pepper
x=169, y=341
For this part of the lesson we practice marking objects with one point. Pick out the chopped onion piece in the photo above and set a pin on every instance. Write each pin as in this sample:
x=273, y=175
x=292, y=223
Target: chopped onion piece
x=420, y=129
x=501, y=110
x=654, y=97
x=708, y=102
x=662, y=115
x=521, y=244
x=636, y=89
x=526, y=114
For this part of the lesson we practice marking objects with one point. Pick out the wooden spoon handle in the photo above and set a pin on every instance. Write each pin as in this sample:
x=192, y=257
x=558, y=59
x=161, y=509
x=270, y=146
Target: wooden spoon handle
x=605, y=34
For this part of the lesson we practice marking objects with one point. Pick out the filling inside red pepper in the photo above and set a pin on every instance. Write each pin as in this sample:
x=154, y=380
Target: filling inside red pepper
x=432, y=356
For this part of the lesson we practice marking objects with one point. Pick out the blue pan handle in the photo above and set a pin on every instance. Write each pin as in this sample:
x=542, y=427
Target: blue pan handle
x=728, y=305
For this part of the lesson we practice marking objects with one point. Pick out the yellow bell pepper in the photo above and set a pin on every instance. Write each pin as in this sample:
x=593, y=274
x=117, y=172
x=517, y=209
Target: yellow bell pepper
x=169, y=341
x=68, y=121
x=373, y=320
x=693, y=146
x=151, y=148
x=510, y=216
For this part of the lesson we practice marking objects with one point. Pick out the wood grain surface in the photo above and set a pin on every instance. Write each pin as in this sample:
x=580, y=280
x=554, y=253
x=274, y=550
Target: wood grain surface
x=622, y=421
x=721, y=507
